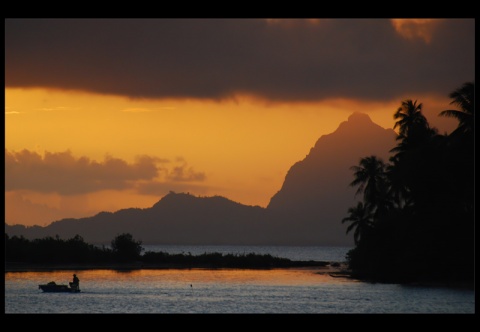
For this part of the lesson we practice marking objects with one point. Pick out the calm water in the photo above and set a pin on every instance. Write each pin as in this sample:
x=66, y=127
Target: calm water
x=228, y=290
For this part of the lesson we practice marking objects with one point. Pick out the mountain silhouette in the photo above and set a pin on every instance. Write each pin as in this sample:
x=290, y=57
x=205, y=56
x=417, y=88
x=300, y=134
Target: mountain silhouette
x=316, y=193
x=307, y=210
x=178, y=218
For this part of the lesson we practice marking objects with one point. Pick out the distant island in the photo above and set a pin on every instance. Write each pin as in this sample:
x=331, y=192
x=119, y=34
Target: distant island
x=49, y=254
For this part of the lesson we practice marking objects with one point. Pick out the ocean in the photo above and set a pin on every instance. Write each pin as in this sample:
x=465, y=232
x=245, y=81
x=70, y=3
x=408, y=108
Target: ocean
x=238, y=291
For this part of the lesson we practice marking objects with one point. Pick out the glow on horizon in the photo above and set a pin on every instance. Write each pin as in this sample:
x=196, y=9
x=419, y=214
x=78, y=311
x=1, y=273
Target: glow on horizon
x=244, y=146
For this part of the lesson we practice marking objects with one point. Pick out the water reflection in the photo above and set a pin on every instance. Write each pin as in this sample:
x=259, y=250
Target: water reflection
x=88, y=278
x=224, y=291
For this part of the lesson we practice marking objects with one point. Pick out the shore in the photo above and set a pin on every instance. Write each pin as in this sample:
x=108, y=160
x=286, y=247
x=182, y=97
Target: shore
x=321, y=266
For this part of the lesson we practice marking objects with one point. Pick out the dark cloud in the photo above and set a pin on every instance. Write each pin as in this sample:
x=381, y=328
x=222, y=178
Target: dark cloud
x=218, y=58
x=64, y=174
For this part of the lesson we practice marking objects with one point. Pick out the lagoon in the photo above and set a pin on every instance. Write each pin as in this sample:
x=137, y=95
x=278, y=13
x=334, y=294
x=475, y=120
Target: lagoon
x=212, y=291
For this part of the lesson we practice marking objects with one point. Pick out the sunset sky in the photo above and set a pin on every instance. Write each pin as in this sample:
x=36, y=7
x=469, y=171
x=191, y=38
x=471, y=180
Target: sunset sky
x=105, y=114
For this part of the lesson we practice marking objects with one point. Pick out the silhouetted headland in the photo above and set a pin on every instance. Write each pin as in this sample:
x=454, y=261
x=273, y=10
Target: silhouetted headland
x=305, y=211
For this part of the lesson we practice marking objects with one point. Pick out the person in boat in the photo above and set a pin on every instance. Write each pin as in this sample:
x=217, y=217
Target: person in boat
x=76, y=282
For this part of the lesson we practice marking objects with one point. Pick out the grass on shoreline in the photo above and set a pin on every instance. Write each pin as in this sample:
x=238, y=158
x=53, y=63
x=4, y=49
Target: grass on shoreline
x=139, y=265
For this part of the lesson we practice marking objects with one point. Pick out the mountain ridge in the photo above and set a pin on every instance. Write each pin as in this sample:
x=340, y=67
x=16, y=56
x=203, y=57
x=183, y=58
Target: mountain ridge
x=307, y=210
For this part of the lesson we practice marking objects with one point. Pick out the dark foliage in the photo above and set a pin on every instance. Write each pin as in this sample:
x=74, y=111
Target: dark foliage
x=218, y=260
x=126, y=250
x=421, y=228
x=51, y=250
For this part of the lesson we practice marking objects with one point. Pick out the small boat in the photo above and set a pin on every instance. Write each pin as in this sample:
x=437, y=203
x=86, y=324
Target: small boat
x=54, y=287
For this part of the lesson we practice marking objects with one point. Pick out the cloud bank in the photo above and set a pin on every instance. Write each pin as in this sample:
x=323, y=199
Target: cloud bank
x=278, y=60
x=62, y=173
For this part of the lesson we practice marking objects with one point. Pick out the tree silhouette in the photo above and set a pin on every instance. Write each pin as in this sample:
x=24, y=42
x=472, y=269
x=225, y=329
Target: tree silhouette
x=460, y=155
x=398, y=190
x=413, y=126
x=464, y=98
x=126, y=248
x=361, y=221
x=418, y=210
x=409, y=118
x=370, y=178
x=409, y=171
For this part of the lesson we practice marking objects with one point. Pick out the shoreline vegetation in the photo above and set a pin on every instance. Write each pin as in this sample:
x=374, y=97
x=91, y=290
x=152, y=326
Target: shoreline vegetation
x=327, y=267
x=125, y=253
x=415, y=221
x=53, y=254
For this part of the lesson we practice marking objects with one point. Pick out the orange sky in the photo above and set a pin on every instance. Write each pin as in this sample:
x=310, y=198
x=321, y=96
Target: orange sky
x=238, y=149
x=87, y=136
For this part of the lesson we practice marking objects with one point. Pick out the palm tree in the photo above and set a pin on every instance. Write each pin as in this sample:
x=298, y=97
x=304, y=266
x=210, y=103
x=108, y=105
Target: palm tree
x=464, y=98
x=415, y=136
x=370, y=178
x=413, y=126
x=409, y=118
x=460, y=155
x=399, y=191
x=361, y=218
